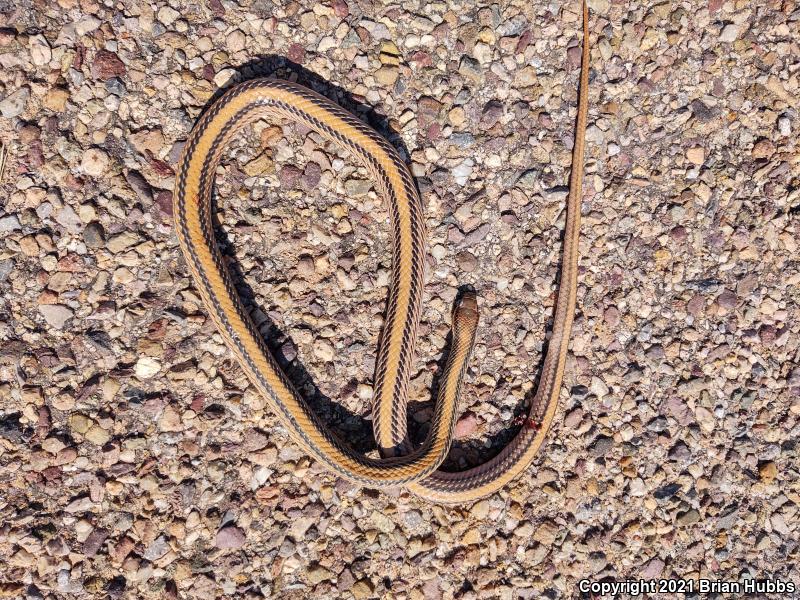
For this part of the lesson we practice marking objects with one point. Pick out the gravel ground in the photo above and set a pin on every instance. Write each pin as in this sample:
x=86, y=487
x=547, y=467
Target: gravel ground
x=135, y=460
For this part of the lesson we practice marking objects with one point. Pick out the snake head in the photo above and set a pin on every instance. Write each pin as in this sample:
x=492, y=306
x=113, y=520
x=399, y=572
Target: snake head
x=465, y=309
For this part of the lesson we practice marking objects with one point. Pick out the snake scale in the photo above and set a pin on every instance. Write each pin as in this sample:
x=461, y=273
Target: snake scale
x=399, y=464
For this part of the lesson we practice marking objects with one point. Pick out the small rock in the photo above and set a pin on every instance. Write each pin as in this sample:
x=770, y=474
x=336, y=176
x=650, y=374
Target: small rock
x=80, y=423
x=317, y=574
x=688, y=517
x=466, y=261
x=139, y=185
x=87, y=24
x=236, y=40
x=324, y=350
x=230, y=537
x=93, y=235
x=170, y=419
x=705, y=418
x=601, y=445
x=382, y=522
x=56, y=315
x=79, y=505
x=428, y=110
x=483, y=53
x=13, y=104
x=470, y=68
x=480, y=510
x=69, y=219
x=357, y=187
x=97, y=435
x=156, y=549
x=387, y=75
x=729, y=33
x=106, y=64
x=56, y=99
x=462, y=172
x=763, y=148
x=94, y=541
x=122, y=241
x=146, y=367
x=289, y=175
x=362, y=589
x=526, y=77
x=340, y=8
x=9, y=223
x=768, y=472
x=40, y=50
x=167, y=15
x=95, y=162
x=311, y=175
x=116, y=86
x=546, y=533
x=696, y=155
x=466, y=426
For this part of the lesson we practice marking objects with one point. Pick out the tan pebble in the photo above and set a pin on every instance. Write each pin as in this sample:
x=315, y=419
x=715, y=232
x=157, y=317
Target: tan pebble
x=768, y=472
x=56, y=99
x=696, y=155
x=80, y=423
x=98, y=435
x=95, y=162
x=387, y=75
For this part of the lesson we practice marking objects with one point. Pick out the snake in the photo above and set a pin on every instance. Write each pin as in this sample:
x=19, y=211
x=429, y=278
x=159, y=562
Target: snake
x=398, y=463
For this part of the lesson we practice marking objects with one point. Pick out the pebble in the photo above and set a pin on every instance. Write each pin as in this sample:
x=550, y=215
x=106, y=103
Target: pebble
x=156, y=549
x=94, y=235
x=139, y=185
x=56, y=315
x=95, y=162
x=122, y=241
x=465, y=426
x=462, y=172
x=696, y=155
x=56, y=99
x=41, y=54
x=69, y=219
x=768, y=472
x=729, y=33
x=9, y=223
x=230, y=538
x=107, y=64
x=688, y=518
x=147, y=367
x=14, y=103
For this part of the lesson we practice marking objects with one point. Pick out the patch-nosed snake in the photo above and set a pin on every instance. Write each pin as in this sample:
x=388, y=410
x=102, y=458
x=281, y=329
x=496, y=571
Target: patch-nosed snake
x=400, y=464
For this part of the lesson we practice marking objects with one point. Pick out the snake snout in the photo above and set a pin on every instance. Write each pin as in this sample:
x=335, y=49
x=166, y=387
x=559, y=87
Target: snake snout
x=466, y=306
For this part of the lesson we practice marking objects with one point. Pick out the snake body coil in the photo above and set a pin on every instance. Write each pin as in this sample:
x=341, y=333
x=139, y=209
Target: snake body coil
x=416, y=469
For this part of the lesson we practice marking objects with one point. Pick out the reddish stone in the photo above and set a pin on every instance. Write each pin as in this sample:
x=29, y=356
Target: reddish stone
x=230, y=537
x=197, y=404
x=523, y=42
x=466, y=426
x=107, y=65
x=296, y=53
x=164, y=203
x=423, y=59
x=340, y=8
x=159, y=166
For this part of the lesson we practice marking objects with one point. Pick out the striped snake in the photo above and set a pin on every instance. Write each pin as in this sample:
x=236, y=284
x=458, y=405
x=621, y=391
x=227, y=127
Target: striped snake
x=400, y=464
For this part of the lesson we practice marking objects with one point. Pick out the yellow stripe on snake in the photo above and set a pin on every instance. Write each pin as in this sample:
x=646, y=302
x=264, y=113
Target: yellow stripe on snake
x=400, y=464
